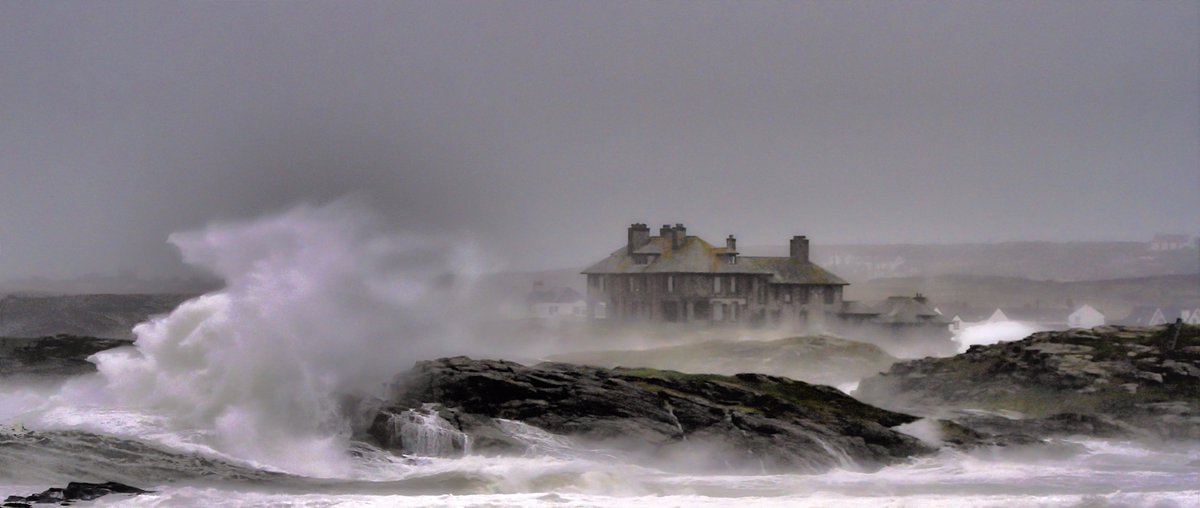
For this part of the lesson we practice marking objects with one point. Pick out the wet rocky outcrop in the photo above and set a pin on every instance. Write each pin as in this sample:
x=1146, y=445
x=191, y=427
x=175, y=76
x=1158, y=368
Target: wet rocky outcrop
x=60, y=355
x=820, y=359
x=74, y=491
x=457, y=405
x=1105, y=381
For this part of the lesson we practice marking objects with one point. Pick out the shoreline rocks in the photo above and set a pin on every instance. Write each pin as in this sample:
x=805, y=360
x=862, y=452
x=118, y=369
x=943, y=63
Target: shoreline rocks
x=742, y=421
x=819, y=359
x=60, y=355
x=1106, y=381
x=74, y=491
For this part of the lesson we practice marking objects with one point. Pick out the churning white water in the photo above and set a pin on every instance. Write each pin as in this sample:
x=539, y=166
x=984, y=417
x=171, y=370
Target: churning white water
x=232, y=388
x=423, y=433
x=319, y=303
x=991, y=333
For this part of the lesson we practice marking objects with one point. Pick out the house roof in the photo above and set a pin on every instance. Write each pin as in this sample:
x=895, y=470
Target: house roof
x=554, y=295
x=857, y=308
x=965, y=313
x=1139, y=316
x=907, y=309
x=699, y=256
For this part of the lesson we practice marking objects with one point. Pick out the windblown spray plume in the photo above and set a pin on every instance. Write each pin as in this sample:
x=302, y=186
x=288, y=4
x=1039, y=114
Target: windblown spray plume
x=320, y=302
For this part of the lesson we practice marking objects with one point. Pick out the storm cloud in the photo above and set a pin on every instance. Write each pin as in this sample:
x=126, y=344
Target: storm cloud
x=541, y=129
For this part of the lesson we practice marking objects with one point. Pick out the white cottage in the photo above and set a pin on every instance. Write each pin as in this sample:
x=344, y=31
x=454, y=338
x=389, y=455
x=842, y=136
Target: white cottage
x=556, y=303
x=1085, y=316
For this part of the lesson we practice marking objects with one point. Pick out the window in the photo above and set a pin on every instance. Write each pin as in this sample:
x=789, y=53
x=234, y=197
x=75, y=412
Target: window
x=804, y=294
x=733, y=284
x=632, y=284
x=716, y=285
x=829, y=295
x=670, y=284
x=603, y=278
x=733, y=312
x=787, y=295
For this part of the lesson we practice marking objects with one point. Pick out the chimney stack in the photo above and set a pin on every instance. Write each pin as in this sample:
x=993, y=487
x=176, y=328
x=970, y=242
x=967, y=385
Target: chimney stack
x=639, y=235
x=668, y=236
x=680, y=236
x=731, y=244
x=799, y=248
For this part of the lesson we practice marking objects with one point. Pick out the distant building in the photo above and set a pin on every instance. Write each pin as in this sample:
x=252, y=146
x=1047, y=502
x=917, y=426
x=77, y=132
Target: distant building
x=1085, y=316
x=677, y=278
x=1164, y=242
x=880, y=265
x=556, y=303
x=1045, y=318
x=1154, y=316
x=961, y=317
x=897, y=314
x=1191, y=317
x=1144, y=316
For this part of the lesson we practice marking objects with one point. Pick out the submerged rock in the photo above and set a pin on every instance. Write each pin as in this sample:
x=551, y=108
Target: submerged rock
x=746, y=420
x=75, y=491
x=1107, y=381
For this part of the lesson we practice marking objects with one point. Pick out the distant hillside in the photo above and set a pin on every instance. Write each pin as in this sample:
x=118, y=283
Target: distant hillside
x=1114, y=297
x=107, y=316
x=1033, y=260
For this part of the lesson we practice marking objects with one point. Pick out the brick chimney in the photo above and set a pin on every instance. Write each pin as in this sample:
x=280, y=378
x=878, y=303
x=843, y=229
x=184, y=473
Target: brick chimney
x=680, y=236
x=799, y=248
x=668, y=236
x=639, y=235
x=731, y=244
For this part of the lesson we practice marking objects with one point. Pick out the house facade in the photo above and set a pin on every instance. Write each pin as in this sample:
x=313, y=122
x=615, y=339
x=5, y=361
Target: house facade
x=555, y=303
x=677, y=278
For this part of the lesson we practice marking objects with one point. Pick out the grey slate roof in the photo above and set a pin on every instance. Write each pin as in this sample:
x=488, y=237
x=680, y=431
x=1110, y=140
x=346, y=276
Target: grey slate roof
x=907, y=310
x=699, y=256
x=851, y=308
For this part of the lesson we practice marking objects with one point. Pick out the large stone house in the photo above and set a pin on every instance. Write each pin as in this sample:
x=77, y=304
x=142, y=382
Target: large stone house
x=676, y=278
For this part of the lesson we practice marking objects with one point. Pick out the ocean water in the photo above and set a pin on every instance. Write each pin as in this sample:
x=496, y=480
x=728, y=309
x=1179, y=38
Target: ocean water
x=237, y=398
x=82, y=445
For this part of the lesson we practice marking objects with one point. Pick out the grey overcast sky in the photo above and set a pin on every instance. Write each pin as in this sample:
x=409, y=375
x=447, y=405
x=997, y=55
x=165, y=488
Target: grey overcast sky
x=542, y=129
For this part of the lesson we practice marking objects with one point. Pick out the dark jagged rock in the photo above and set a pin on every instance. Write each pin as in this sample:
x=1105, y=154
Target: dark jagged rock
x=60, y=355
x=1106, y=381
x=819, y=359
x=749, y=420
x=75, y=491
